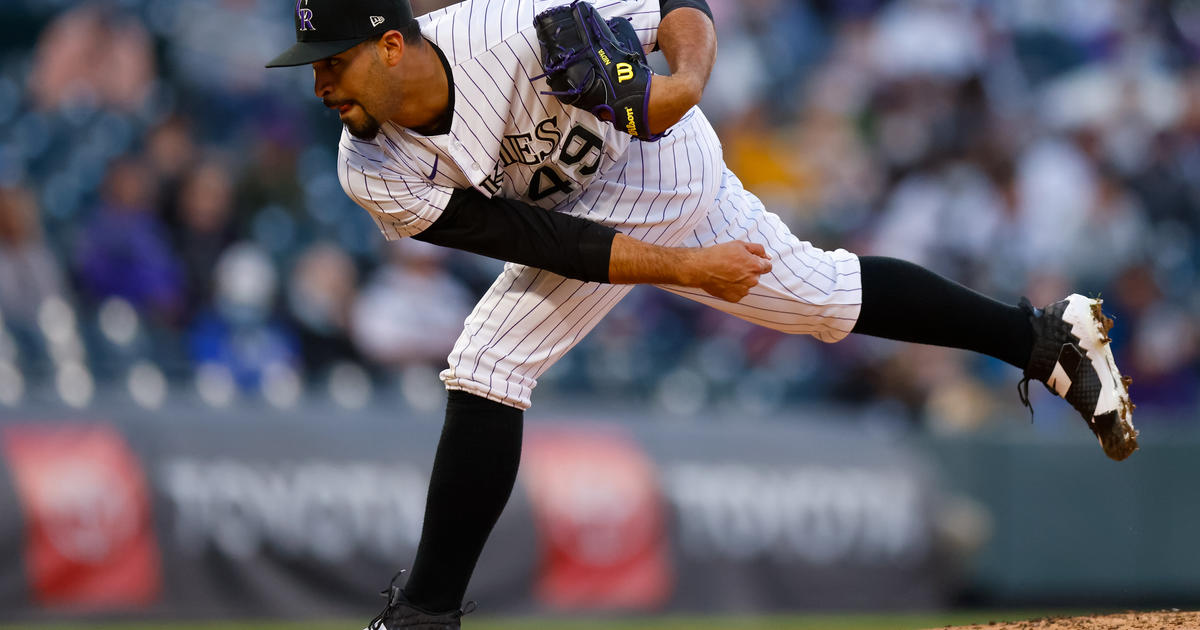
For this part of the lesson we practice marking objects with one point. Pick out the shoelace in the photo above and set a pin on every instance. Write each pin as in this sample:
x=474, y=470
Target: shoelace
x=1023, y=386
x=568, y=58
x=392, y=592
x=1023, y=394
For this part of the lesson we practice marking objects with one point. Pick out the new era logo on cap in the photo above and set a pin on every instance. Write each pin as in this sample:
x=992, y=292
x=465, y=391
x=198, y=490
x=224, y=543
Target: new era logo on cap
x=376, y=20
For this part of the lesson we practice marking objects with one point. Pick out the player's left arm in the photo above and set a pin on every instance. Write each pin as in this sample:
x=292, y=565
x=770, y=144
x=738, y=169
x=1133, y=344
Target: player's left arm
x=688, y=40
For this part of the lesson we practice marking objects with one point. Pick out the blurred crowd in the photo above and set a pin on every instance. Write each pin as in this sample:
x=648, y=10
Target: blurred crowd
x=171, y=223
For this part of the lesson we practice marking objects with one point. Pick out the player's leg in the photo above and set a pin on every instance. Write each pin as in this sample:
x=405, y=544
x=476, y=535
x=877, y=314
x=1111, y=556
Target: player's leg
x=830, y=294
x=526, y=321
x=474, y=470
x=906, y=302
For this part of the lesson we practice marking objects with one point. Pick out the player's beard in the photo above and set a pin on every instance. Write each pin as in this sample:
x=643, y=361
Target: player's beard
x=366, y=128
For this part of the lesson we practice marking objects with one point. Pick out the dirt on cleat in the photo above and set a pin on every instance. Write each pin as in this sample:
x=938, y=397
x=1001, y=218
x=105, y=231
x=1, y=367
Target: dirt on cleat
x=1121, y=437
x=1119, y=447
x=1106, y=322
x=1114, y=430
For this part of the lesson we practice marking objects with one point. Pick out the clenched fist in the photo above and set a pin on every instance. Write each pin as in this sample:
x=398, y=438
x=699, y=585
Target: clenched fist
x=728, y=270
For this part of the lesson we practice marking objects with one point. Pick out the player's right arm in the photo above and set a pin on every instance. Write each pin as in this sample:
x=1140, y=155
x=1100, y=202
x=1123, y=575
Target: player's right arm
x=726, y=270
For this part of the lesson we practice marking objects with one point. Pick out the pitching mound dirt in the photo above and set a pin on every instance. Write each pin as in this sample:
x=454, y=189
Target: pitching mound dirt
x=1165, y=620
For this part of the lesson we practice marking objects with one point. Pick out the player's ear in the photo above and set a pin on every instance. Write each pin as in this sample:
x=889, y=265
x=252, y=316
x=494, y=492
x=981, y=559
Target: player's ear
x=391, y=47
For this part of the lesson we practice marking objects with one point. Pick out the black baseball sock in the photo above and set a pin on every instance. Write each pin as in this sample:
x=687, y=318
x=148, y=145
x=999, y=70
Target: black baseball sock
x=905, y=302
x=473, y=474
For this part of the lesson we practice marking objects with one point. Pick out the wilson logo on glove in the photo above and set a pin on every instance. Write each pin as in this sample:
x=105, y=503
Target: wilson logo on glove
x=624, y=72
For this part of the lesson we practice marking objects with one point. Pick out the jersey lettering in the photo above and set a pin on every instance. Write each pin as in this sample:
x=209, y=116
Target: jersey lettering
x=515, y=149
x=520, y=148
x=494, y=183
x=547, y=131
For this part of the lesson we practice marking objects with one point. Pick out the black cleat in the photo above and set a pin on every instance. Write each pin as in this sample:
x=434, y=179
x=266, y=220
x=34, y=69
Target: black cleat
x=1072, y=359
x=401, y=614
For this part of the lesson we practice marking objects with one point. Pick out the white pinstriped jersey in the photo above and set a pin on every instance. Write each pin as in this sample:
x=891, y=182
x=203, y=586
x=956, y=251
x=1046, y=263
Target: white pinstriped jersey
x=509, y=140
x=506, y=138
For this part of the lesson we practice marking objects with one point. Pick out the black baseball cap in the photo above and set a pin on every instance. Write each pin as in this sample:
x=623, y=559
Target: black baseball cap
x=325, y=28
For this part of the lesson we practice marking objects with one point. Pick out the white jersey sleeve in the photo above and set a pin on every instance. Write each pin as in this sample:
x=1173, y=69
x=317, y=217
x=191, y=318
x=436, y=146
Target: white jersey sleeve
x=402, y=203
x=644, y=14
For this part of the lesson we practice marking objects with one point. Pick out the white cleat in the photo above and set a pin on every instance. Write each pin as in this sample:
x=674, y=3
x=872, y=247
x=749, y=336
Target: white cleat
x=1072, y=358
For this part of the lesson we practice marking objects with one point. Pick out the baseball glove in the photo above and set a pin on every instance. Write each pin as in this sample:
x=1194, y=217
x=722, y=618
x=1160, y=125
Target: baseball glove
x=596, y=65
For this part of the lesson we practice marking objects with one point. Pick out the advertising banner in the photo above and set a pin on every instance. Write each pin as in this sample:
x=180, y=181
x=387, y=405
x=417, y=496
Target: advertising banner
x=307, y=515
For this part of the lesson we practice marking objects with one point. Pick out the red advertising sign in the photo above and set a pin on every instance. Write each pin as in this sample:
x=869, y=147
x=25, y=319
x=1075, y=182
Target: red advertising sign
x=89, y=539
x=600, y=517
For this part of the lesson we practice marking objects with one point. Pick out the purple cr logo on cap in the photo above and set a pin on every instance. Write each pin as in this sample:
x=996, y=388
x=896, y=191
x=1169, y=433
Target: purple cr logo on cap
x=305, y=15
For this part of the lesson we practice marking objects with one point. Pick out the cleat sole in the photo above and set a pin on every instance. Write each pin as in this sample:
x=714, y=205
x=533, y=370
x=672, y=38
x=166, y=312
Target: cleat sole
x=1113, y=428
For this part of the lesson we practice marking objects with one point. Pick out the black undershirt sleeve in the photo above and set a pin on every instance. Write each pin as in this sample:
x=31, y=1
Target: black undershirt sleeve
x=670, y=5
x=516, y=232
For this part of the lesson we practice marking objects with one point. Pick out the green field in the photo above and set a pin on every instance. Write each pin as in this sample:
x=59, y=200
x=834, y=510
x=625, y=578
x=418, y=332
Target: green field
x=805, y=622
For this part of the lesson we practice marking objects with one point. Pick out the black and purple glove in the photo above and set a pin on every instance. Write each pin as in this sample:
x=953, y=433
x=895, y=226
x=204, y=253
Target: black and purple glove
x=596, y=65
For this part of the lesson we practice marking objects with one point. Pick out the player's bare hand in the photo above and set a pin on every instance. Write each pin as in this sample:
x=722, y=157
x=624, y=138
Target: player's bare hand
x=729, y=270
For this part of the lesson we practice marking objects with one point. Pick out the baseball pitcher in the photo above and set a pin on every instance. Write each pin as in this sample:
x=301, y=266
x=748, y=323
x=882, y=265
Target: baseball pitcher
x=534, y=132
